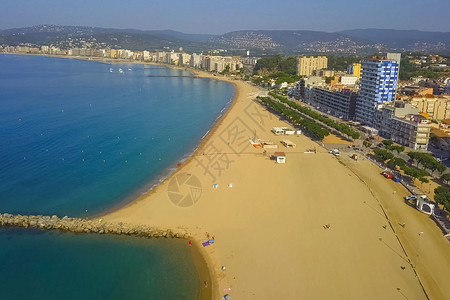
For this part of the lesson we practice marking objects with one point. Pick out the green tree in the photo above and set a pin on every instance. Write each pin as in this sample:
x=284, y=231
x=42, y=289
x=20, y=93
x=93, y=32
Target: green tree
x=388, y=142
x=367, y=144
x=445, y=177
x=340, y=63
x=423, y=179
x=382, y=154
x=275, y=64
x=442, y=195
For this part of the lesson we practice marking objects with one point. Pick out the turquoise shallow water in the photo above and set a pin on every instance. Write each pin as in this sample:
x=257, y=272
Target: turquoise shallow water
x=78, y=137
x=51, y=265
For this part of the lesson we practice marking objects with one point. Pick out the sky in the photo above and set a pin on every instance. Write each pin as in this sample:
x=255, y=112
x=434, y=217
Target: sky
x=221, y=16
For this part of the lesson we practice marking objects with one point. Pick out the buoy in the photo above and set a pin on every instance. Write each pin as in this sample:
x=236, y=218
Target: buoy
x=126, y=161
x=104, y=161
x=62, y=110
x=20, y=120
x=62, y=158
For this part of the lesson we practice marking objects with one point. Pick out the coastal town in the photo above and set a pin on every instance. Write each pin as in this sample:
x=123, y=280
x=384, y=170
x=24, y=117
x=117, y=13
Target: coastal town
x=325, y=182
x=410, y=113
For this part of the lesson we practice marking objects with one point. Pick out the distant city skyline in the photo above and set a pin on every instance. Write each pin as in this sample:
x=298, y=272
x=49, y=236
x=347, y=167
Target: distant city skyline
x=218, y=17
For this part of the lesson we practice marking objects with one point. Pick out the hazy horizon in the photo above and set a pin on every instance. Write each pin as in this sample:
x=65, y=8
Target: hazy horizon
x=208, y=17
x=243, y=29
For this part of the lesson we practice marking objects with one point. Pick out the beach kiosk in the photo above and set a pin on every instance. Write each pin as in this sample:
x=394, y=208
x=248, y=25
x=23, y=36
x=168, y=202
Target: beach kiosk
x=288, y=144
x=424, y=205
x=280, y=157
x=278, y=130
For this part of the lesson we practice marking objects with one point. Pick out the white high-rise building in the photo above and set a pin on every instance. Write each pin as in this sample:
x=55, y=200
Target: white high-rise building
x=378, y=85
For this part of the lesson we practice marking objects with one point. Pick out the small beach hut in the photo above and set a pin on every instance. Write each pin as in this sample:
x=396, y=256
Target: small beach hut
x=280, y=157
x=288, y=144
x=424, y=205
x=278, y=130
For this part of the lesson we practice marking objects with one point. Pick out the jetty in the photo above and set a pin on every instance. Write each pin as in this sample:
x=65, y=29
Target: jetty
x=80, y=225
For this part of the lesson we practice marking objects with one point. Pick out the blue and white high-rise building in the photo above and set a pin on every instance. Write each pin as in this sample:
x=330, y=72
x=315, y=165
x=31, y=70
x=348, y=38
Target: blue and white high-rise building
x=378, y=85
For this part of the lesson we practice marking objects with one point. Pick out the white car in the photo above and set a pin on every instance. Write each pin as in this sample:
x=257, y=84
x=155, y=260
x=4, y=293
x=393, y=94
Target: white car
x=411, y=197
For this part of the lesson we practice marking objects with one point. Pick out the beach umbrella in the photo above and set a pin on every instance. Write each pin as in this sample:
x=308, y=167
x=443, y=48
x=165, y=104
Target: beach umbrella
x=227, y=296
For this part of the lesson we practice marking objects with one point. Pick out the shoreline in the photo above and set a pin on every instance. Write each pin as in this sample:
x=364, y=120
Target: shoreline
x=269, y=219
x=199, y=258
x=202, y=261
x=169, y=172
x=317, y=227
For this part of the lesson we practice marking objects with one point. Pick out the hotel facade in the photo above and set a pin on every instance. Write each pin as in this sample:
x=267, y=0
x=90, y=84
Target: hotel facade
x=306, y=65
x=378, y=86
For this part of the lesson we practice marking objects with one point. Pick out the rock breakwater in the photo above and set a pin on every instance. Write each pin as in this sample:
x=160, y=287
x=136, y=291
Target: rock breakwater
x=79, y=225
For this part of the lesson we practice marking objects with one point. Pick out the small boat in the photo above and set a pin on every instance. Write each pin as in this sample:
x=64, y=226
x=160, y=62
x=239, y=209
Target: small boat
x=255, y=143
x=110, y=70
x=120, y=70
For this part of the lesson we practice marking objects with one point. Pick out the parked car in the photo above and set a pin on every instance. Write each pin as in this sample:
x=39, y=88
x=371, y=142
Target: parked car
x=387, y=175
x=411, y=197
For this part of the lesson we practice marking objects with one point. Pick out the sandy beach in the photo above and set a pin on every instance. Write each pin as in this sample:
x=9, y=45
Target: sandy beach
x=312, y=228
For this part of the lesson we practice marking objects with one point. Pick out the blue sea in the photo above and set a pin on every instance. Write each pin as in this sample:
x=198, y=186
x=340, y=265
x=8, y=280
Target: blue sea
x=78, y=138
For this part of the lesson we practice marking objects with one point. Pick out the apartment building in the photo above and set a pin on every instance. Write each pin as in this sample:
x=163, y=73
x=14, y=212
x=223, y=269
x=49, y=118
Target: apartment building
x=341, y=104
x=378, y=85
x=355, y=70
x=412, y=131
x=348, y=80
x=400, y=121
x=306, y=65
x=436, y=107
x=302, y=90
x=196, y=61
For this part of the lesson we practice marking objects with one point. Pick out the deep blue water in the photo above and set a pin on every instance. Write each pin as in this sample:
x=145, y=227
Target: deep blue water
x=78, y=137
x=75, y=136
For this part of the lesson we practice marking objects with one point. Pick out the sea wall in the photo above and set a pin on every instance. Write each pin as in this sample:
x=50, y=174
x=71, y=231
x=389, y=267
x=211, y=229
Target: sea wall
x=79, y=225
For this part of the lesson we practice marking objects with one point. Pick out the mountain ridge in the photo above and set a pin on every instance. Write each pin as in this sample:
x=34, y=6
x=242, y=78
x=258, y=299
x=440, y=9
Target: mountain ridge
x=354, y=41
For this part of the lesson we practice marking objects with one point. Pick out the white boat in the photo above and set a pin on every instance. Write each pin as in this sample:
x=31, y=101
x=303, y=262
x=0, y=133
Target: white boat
x=120, y=70
x=110, y=70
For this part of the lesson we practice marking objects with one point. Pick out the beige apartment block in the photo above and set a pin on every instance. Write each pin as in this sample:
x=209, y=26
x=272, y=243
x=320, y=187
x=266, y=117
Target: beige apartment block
x=436, y=107
x=412, y=131
x=306, y=65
